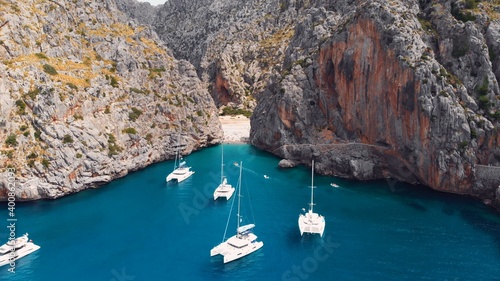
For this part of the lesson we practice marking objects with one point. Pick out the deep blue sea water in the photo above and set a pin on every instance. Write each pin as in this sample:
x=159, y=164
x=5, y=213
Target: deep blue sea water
x=140, y=228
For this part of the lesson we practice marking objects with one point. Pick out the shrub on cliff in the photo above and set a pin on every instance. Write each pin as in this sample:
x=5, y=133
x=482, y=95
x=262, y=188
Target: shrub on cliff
x=11, y=140
x=49, y=69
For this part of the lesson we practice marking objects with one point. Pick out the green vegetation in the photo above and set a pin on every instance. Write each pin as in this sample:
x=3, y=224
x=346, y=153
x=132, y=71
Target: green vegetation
x=72, y=86
x=471, y=4
x=45, y=163
x=33, y=93
x=67, y=139
x=427, y=26
x=460, y=15
x=26, y=133
x=49, y=69
x=112, y=80
x=236, y=111
x=77, y=116
x=463, y=145
x=21, y=107
x=149, y=137
x=303, y=63
x=132, y=116
x=9, y=153
x=483, y=89
x=41, y=56
x=32, y=155
x=23, y=128
x=153, y=72
x=79, y=155
x=495, y=115
x=492, y=54
x=107, y=110
x=11, y=140
x=443, y=93
x=138, y=91
x=129, y=131
x=37, y=135
x=199, y=113
x=473, y=134
x=113, y=148
x=484, y=101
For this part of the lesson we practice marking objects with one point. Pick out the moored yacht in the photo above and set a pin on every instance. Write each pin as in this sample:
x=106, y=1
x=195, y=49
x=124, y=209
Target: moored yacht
x=180, y=173
x=181, y=170
x=311, y=222
x=16, y=249
x=224, y=189
x=243, y=243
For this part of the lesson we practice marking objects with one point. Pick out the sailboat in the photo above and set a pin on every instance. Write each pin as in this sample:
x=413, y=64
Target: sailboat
x=243, y=243
x=181, y=171
x=311, y=222
x=224, y=189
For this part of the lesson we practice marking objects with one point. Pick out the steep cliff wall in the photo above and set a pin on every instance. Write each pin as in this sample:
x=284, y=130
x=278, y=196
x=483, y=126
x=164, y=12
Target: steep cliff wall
x=236, y=45
x=399, y=89
x=88, y=95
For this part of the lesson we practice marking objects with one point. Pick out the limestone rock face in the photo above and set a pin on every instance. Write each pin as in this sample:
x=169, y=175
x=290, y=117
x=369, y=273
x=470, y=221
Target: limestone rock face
x=235, y=45
x=88, y=95
x=398, y=89
x=401, y=89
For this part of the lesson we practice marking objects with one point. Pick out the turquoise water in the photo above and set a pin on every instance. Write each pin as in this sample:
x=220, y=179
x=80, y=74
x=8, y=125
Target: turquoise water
x=140, y=228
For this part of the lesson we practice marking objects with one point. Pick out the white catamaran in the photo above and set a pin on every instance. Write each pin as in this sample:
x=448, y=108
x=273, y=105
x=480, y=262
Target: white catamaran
x=311, y=222
x=181, y=171
x=241, y=244
x=224, y=189
x=16, y=249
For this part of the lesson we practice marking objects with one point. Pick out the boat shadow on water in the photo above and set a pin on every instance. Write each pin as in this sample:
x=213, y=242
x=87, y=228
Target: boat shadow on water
x=243, y=266
x=295, y=240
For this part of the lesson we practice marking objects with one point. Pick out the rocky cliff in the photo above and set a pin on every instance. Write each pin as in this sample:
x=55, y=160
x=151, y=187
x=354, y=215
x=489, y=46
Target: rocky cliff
x=236, y=45
x=391, y=89
x=88, y=95
x=399, y=89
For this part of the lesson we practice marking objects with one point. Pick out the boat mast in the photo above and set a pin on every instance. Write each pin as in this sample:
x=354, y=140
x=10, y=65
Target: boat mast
x=222, y=166
x=312, y=187
x=239, y=197
x=177, y=151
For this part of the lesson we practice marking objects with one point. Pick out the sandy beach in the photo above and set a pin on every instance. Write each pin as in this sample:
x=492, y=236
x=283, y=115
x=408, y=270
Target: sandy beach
x=236, y=128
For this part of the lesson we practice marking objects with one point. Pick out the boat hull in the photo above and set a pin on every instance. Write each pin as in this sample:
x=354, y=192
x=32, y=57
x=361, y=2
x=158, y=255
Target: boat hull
x=230, y=253
x=311, y=223
x=179, y=177
x=19, y=253
x=225, y=191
